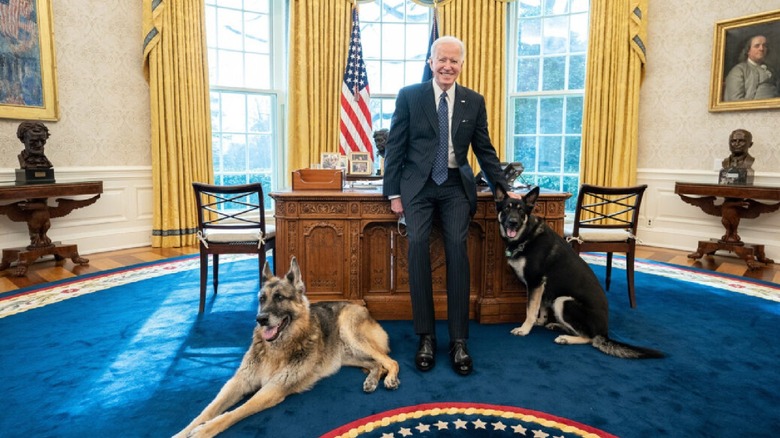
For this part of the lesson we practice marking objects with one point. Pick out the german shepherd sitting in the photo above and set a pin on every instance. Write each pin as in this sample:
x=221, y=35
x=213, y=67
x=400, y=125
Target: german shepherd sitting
x=294, y=345
x=563, y=292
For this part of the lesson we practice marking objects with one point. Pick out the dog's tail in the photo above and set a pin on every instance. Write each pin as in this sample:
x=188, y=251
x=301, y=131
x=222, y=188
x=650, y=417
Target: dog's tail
x=623, y=350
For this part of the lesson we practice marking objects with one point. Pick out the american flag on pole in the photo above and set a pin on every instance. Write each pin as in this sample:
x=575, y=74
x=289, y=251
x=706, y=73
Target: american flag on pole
x=427, y=73
x=355, y=126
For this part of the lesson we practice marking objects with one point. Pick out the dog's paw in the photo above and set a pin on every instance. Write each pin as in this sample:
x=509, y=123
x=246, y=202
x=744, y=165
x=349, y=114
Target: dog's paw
x=392, y=382
x=563, y=340
x=370, y=384
x=521, y=331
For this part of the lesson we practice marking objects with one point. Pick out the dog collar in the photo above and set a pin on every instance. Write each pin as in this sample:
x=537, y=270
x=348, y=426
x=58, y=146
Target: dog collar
x=511, y=253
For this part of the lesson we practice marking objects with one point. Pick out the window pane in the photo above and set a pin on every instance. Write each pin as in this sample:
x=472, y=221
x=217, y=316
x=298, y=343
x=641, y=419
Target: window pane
x=230, y=69
x=554, y=73
x=571, y=155
x=530, y=8
x=525, y=152
x=392, y=41
x=578, y=33
x=555, y=7
x=259, y=113
x=257, y=38
x=556, y=35
x=233, y=112
x=529, y=37
x=258, y=72
x=550, y=154
x=551, y=120
x=577, y=72
x=528, y=74
x=525, y=116
x=574, y=114
x=230, y=29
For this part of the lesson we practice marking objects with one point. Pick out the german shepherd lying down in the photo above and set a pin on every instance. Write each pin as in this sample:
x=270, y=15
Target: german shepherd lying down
x=294, y=345
x=563, y=292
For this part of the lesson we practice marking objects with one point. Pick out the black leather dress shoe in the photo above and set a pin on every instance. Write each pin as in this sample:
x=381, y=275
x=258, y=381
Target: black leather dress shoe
x=459, y=354
x=425, y=358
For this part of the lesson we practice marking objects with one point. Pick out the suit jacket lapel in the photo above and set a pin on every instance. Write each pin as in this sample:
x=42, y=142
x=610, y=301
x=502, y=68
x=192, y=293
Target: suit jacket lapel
x=461, y=103
x=429, y=105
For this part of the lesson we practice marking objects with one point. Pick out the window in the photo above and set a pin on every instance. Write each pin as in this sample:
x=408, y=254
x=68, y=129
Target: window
x=547, y=49
x=395, y=37
x=245, y=40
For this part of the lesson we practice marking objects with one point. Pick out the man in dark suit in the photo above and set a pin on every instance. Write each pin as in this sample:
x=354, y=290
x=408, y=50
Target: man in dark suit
x=428, y=176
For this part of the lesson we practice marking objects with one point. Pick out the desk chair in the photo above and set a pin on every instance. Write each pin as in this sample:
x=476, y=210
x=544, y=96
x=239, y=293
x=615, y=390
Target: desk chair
x=231, y=220
x=606, y=220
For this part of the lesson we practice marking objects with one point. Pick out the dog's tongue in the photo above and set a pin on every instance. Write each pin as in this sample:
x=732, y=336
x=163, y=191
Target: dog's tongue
x=270, y=332
x=511, y=233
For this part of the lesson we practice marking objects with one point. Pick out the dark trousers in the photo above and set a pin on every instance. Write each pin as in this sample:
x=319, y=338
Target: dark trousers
x=449, y=204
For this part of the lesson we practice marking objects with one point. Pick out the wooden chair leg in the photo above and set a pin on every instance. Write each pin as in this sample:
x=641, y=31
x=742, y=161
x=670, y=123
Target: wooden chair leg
x=204, y=272
x=630, y=278
x=609, y=269
x=215, y=280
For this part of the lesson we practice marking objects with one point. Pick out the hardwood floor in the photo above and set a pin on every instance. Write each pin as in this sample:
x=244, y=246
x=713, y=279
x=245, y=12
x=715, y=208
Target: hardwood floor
x=48, y=270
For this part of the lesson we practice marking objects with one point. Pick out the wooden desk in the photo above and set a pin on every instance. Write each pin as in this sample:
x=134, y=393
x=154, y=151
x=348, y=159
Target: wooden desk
x=738, y=202
x=349, y=248
x=37, y=213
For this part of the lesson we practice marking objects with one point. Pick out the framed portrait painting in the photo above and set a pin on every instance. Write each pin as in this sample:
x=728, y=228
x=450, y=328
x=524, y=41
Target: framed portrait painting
x=746, y=63
x=28, y=89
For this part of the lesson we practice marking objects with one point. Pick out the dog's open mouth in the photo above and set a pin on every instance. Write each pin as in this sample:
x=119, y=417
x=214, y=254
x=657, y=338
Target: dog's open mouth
x=510, y=232
x=272, y=332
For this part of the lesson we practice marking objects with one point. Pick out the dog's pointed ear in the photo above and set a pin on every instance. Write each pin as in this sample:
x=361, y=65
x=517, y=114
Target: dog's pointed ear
x=294, y=275
x=530, y=198
x=267, y=274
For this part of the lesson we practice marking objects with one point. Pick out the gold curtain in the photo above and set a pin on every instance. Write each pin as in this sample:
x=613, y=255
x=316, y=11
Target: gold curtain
x=482, y=25
x=175, y=64
x=318, y=53
x=616, y=59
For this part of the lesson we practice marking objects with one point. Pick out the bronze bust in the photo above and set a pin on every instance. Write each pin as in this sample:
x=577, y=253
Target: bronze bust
x=737, y=167
x=34, y=136
x=740, y=141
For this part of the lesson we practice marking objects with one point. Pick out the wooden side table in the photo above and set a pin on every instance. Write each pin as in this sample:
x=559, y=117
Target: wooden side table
x=35, y=210
x=738, y=202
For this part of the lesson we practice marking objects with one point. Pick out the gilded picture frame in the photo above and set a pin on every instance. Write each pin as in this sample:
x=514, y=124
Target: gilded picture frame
x=728, y=50
x=28, y=85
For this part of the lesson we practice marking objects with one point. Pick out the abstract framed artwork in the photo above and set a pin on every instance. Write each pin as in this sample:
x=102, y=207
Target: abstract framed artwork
x=28, y=86
x=746, y=63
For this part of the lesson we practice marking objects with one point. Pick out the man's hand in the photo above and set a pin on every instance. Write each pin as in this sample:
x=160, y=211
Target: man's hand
x=514, y=195
x=397, y=207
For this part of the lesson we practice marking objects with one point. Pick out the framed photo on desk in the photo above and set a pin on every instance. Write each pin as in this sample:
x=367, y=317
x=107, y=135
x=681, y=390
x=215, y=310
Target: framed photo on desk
x=737, y=84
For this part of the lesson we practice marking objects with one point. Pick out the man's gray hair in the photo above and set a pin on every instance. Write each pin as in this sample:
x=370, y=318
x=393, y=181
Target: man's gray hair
x=449, y=39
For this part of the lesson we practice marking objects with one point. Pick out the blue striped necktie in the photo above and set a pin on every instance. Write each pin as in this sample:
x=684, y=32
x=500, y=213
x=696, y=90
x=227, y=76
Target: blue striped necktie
x=439, y=173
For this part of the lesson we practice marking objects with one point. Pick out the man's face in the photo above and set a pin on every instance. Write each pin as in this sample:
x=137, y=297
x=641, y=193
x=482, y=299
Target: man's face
x=34, y=143
x=446, y=64
x=758, y=49
x=739, y=143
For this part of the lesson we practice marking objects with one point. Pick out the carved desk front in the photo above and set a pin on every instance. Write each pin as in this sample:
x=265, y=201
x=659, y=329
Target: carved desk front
x=349, y=248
